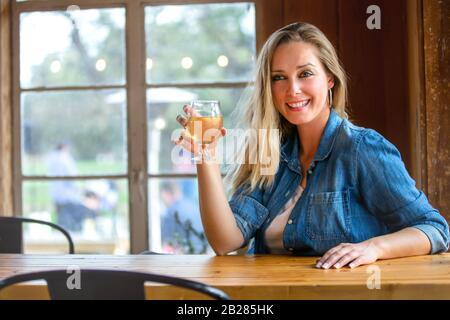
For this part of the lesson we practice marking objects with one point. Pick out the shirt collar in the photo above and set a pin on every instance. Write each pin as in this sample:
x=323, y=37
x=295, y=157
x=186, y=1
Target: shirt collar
x=289, y=149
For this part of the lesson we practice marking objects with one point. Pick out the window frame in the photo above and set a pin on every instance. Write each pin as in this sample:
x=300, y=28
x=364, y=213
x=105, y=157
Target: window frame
x=137, y=175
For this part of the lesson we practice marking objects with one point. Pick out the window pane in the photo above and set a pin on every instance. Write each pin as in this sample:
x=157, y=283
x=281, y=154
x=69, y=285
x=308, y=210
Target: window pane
x=175, y=221
x=73, y=133
x=200, y=43
x=94, y=212
x=72, y=47
x=163, y=106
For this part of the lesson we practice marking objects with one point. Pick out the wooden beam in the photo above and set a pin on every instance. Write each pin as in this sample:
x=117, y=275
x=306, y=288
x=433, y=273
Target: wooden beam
x=269, y=18
x=321, y=13
x=137, y=128
x=416, y=86
x=6, y=195
x=437, y=97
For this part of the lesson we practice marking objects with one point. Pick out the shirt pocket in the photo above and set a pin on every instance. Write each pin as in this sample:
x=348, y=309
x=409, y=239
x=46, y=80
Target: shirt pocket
x=328, y=216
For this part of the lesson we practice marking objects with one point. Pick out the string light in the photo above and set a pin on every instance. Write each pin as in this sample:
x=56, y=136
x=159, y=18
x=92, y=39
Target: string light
x=222, y=61
x=186, y=63
x=160, y=123
x=55, y=66
x=149, y=63
x=100, y=65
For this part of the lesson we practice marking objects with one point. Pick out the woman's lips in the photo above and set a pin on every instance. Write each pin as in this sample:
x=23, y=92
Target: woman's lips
x=298, y=105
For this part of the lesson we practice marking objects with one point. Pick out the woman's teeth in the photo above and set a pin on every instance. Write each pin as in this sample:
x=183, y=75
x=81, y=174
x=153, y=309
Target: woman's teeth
x=300, y=104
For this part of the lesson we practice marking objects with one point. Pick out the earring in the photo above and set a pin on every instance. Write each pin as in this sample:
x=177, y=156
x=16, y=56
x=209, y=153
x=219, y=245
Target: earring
x=330, y=97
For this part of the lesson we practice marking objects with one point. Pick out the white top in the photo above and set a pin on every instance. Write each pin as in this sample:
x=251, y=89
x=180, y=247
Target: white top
x=274, y=233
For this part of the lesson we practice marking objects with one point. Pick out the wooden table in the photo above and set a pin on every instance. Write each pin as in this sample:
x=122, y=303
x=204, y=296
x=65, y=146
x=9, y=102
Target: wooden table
x=254, y=277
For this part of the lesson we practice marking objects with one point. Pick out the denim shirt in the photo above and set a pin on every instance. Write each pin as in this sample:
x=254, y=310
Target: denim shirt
x=357, y=188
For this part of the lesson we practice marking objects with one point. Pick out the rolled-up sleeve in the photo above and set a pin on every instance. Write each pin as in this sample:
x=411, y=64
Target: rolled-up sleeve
x=391, y=194
x=249, y=214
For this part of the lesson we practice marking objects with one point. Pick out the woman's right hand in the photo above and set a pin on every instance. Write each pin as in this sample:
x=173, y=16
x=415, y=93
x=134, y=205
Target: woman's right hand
x=187, y=142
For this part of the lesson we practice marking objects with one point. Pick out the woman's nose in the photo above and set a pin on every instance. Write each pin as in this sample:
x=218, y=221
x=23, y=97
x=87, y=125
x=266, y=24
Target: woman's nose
x=294, y=87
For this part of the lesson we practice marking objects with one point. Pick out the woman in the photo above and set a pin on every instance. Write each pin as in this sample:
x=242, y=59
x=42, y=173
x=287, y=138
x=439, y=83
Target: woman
x=339, y=190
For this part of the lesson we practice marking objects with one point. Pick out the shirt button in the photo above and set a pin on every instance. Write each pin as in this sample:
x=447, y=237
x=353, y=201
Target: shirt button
x=291, y=249
x=290, y=221
x=287, y=193
x=310, y=171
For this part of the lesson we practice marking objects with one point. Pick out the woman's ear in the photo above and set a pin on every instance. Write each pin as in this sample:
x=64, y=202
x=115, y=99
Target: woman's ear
x=330, y=81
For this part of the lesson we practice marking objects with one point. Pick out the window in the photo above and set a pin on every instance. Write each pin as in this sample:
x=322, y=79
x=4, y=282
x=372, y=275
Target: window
x=97, y=93
x=202, y=51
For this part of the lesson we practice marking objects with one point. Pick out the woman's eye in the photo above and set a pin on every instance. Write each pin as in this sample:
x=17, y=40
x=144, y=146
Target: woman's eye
x=277, y=78
x=306, y=74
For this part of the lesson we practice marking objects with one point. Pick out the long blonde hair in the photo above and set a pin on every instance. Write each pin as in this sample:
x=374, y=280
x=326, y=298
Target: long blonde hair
x=258, y=110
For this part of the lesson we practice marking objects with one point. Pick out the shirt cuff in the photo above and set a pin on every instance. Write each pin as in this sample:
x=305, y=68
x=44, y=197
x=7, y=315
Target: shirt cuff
x=249, y=215
x=438, y=240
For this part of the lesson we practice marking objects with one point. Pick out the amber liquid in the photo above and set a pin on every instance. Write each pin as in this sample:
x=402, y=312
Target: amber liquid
x=199, y=125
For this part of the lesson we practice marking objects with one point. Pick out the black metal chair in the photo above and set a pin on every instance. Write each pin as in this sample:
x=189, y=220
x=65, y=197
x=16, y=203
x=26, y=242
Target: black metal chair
x=97, y=284
x=11, y=235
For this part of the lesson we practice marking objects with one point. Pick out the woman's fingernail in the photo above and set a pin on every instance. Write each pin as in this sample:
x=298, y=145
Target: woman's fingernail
x=326, y=266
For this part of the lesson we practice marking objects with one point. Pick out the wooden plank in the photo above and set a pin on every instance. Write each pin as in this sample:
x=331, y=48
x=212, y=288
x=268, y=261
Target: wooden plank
x=321, y=13
x=269, y=18
x=255, y=277
x=6, y=194
x=137, y=127
x=50, y=5
x=416, y=85
x=437, y=96
x=377, y=64
x=16, y=117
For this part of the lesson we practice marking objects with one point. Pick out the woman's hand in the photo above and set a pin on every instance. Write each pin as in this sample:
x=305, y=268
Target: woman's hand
x=187, y=141
x=353, y=254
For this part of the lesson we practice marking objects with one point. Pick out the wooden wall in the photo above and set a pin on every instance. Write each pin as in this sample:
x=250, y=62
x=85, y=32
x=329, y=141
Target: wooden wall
x=436, y=112
x=398, y=76
x=375, y=60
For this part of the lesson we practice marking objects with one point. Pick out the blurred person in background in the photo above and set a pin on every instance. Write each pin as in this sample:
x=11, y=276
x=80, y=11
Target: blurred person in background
x=71, y=208
x=181, y=226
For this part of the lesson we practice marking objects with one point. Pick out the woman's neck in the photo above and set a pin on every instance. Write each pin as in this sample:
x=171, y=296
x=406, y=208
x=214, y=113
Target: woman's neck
x=310, y=134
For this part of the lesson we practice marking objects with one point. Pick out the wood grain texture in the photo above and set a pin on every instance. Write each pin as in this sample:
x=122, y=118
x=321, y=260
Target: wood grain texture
x=376, y=63
x=253, y=277
x=6, y=196
x=437, y=96
x=321, y=13
x=269, y=18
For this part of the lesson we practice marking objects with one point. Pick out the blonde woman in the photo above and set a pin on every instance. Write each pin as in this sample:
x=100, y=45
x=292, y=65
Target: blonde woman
x=337, y=190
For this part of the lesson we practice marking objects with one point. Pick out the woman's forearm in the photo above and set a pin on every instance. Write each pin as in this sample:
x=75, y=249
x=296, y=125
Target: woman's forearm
x=406, y=242
x=218, y=220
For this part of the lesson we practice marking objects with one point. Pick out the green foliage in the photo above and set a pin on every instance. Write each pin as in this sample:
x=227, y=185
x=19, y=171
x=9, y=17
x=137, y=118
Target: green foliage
x=96, y=126
x=204, y=33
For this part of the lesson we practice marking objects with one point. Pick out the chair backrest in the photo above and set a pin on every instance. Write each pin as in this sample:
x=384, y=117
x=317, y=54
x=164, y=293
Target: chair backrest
x=11, y=235
x=97, y=284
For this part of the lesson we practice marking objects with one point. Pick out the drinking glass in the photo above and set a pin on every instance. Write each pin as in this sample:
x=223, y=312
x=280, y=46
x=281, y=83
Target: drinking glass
x=203, y=125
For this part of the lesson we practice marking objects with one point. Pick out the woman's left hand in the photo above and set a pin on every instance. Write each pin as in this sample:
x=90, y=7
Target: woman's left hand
x=353, y=254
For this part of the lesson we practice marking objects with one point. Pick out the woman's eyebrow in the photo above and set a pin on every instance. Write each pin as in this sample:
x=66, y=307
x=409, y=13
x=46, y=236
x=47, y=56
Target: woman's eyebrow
x=298, y=67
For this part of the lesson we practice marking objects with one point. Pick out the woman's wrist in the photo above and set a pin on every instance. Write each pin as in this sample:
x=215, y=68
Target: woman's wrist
x=208, y=155
x=378, y=245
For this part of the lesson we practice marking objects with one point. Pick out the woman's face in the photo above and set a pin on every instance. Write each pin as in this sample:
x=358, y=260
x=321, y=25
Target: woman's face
x=299, y=83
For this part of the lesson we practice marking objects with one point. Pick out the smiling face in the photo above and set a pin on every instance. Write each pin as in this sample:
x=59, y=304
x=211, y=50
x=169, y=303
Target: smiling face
x=299, y=83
